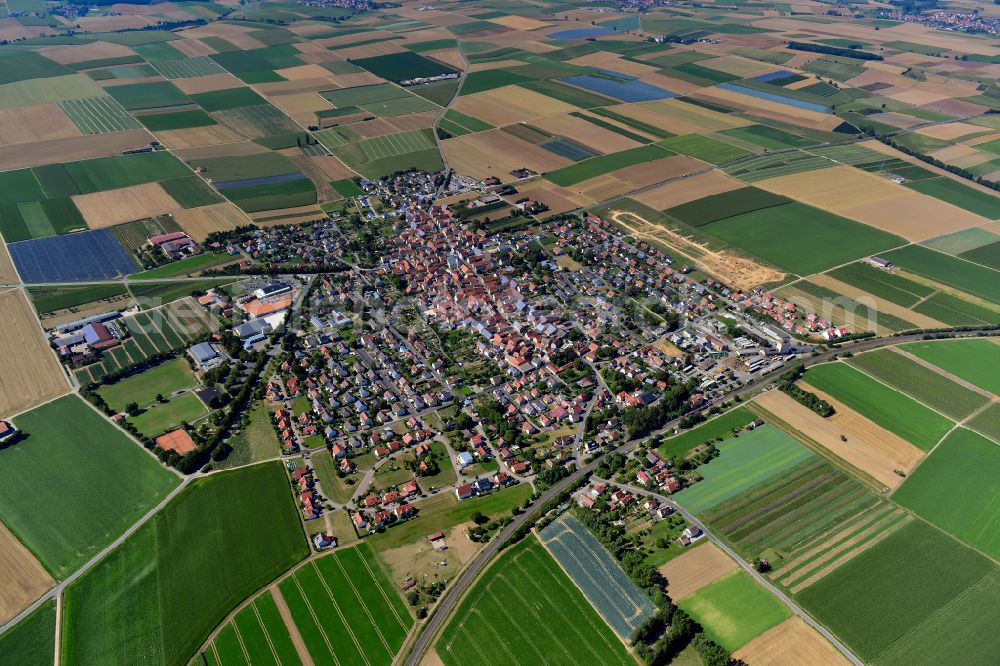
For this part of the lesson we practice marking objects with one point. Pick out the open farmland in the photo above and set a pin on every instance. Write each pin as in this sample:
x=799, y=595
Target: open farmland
x=885, y=601
x=734, y=610
x=721, y=426
x=955, y=489
x=557, y=624
x=974, y=361
x=98, y=115
x=891, y=409
x=622, y=605
x=743, y=461
x=346, y=609
x=920, y=382
x=801, y=239
x=963, y=275
x=783, y=517
x=702, y=564
x=31, y=642
x=791, y=642
x=29, y=373
x=24, y=577
x=157, y=597
x=872, y=451
x=143, y=388
x=73, y=458
x=257, y=634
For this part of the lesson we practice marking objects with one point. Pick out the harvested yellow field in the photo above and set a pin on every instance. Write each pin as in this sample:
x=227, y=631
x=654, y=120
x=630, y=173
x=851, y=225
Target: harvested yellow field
x=873, y=200
x=192, y=137
x=613, y=62
x=304, y=72
x=72, y=149
x=69, y=54
x=868, y=447
x=193, y=47
x=670, y=83
x=693, y=570
x=681, y=118
x=689, y=189
x=879, y=304
x=497, y=153
x=412, y=121
x=24, y=578
x=104, y=209
x=509, y=105
x=598, y=138
x=791, y=643
x=520, y=22
x=771, y=110
x=28, y=124
x=450, y=57
x=558, y=199
x=211, y=83
x=634, y=177
x=737, y=66
x=199, y=222
x=949, y=131
x=8, y=275
x=29, y=373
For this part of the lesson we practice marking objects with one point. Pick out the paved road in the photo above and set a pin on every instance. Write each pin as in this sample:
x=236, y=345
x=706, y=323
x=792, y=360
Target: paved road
x=747, y=567
x=472, y=571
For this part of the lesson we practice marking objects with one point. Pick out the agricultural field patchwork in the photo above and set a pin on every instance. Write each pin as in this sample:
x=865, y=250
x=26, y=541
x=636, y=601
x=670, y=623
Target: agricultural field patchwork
x=102, y=480
x=743, y=461
x=559, y=625
x=159, y=594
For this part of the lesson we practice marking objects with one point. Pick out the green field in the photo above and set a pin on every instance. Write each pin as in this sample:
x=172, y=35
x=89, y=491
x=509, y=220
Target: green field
x=705, y=148
x=155, y=95
x=383, y=155
x=188, y=266
x=768, y=137
x=257, y=165
x=156, y=419
x=946, y=269
x=955, y=489
x=31, y=642
x=802, y=239
x=98, y=115
x=402, y=66
x=445, y=510
x=158, y=122
x=259, y=630
x=720, y=426
x=186, y=68
x=289, y=194
x=191, y=192
x=525, y=605
x=346, y=609
x=955, y=311
x=887, y=407
x=75, y=460
x=963, y=196
x=37, y=219
x=231, y=98
x=743, y=462
x=50, y=299
x=785, y=515
x=109, y=173
x=734, y=610
x=254, y=443
x=975, y=361
x=156, y=598
x=727, y=204
x=142, y=388
x=879, y=283
x=598, y=166
x=48, y=90
x=777, y=164
x=919, y=382
x=881, y=601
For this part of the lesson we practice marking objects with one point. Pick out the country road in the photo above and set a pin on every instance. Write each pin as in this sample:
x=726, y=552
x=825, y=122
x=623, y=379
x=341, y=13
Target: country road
x=457, y=590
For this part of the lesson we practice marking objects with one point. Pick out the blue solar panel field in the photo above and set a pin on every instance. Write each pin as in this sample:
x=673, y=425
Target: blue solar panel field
x=619, y=601
x=88, y=255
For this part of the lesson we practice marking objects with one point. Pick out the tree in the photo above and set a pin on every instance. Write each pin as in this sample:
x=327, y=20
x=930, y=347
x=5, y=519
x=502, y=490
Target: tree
x=478, y=518
x=132, y=408
x=412, y=597
x=160, y=398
